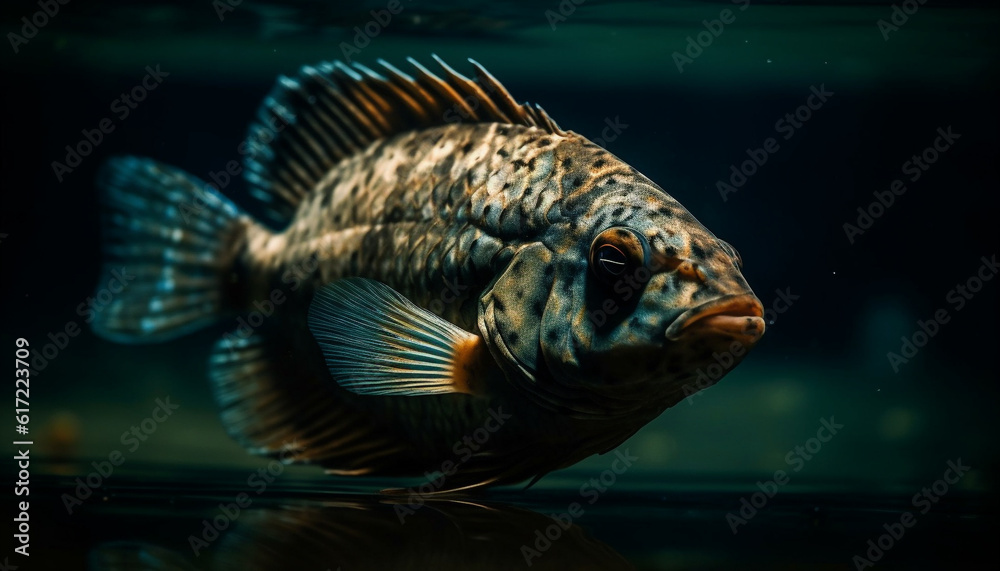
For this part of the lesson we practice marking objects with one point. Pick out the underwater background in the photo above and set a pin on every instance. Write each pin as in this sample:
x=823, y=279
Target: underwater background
x=882, y=321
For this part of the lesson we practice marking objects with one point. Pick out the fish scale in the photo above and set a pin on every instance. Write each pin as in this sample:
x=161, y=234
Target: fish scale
x=491, y=213
x=437, y=257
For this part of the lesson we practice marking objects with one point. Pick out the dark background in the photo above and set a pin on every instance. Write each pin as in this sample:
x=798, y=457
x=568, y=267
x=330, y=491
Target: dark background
x=825, y=356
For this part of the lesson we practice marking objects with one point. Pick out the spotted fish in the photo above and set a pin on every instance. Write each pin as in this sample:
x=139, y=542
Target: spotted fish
x=438, y=280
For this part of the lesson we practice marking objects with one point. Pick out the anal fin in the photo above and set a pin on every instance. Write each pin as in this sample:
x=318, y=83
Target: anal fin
x=273, y=406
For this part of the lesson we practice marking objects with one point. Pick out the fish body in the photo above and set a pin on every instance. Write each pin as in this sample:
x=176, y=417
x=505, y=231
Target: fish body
x=457, y=285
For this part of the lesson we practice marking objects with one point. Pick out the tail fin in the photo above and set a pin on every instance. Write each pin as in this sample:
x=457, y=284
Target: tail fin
x=169, y=240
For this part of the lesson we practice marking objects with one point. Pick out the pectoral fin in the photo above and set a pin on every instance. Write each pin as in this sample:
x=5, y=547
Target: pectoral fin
x=377, y=342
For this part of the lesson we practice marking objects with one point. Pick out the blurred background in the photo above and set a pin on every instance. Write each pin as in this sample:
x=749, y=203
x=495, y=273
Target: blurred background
x=684, y=117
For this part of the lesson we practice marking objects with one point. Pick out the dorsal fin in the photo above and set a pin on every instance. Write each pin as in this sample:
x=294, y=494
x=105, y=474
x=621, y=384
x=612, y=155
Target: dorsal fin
x=330, y=111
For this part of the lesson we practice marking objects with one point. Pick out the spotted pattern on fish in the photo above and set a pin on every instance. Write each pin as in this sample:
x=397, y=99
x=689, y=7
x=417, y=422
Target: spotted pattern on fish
x=487, y=221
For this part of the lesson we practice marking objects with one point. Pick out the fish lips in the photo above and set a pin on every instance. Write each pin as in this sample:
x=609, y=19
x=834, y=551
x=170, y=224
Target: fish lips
x=739, y=316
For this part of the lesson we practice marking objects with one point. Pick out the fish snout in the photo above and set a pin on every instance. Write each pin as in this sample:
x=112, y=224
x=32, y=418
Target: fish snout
x=738, y=316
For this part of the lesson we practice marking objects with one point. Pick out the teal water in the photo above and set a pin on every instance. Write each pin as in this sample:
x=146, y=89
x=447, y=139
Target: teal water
x=855, y=298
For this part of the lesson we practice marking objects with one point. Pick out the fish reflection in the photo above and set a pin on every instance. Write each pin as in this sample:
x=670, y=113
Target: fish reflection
x=380, y=535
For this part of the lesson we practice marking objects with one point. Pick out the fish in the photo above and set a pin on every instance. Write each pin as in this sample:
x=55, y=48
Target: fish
x=436, y=280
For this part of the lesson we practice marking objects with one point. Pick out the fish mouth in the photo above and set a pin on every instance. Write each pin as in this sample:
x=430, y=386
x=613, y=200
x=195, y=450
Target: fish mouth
x=739, y=316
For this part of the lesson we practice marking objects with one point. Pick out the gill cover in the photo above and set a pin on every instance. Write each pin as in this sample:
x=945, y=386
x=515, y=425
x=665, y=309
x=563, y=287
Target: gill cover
x=511, y=310
x=530, y=317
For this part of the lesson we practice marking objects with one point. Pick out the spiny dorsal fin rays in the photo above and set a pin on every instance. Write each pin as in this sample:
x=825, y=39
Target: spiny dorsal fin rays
x=330, y=111
x=420, y=102
x=392, y=106
x=511, y=107
x=444, y=91
x=527, y=114
x=472, y=89
x=546, y=122
x=360, y=107
x=338, y=110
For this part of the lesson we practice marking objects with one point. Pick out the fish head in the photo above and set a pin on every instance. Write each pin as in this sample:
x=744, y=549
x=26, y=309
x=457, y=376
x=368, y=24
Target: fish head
x=644, y=301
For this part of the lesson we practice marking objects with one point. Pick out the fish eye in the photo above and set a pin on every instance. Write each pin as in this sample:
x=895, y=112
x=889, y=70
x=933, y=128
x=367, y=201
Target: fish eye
x=617, y=251
x=610, y=259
